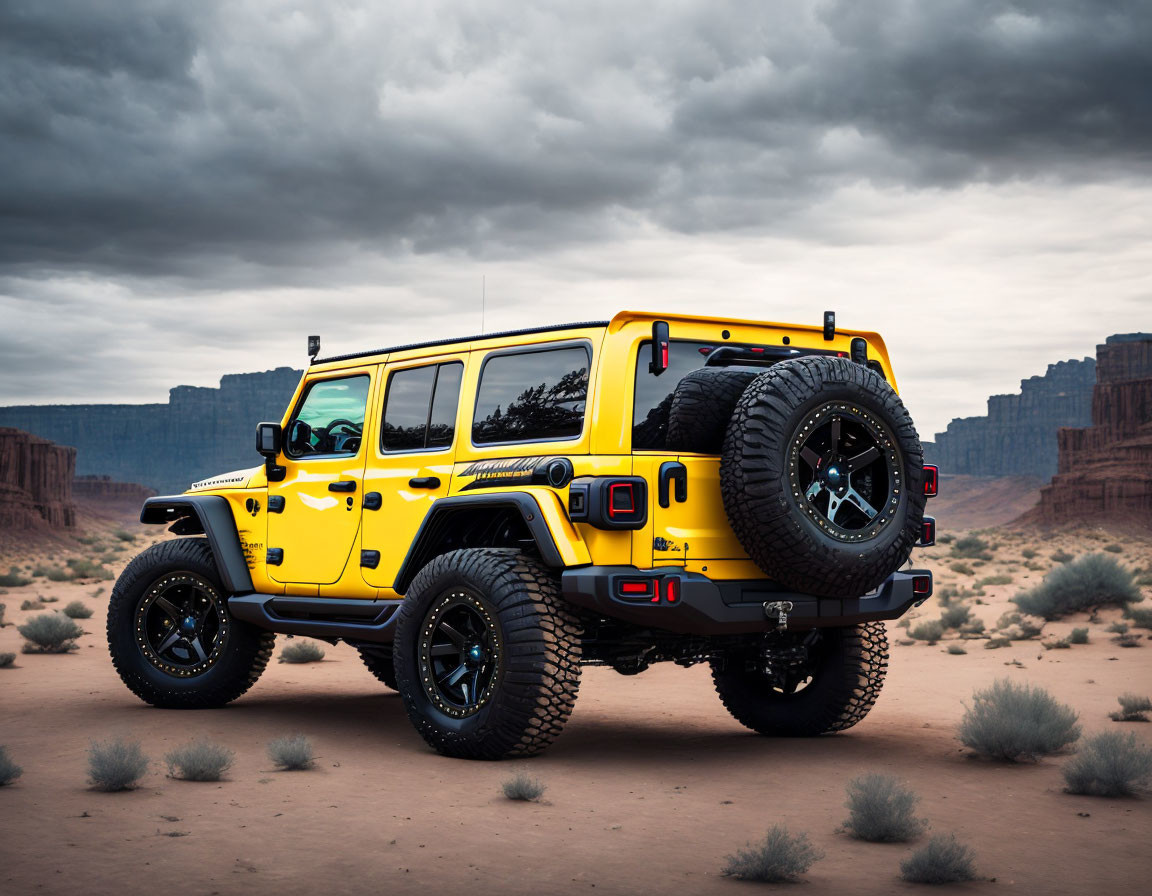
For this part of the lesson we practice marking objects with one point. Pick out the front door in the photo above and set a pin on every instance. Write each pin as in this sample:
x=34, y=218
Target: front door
x=314, y=512
x=412, y=460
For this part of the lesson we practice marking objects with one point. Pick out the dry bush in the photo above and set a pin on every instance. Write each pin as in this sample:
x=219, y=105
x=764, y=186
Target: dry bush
x=291, y=754
x=1118, y=628
x=956, y=650
x=6, y=660
x=77, y=610
x=37, y=604
x=778, y=857
x=1140, y=618
x=13, y=579
x=50, y=633
x=971, y=547
x=1017, y=722
x=1086, y=583
x=1109, y=764
x=1061, y=556
x=943, y=860
x=1079, y=636
x=522, y=787
x=955, y=616
x=3, y=609
x=124, y=535
x=1062, y=644
x=962, y=568
x=116, y=765
x=930, y=631
x=199, y=761
x=302, y=652
x=9, y=770
x=1132, y=708
x=993, y=643
x=1028, y=553
x=81, y=568
x=1114, y=548
x=882, y=810
x=998, y=579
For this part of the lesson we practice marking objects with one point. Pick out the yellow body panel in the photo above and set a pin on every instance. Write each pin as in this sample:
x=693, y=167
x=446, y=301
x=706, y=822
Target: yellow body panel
x=322, y=533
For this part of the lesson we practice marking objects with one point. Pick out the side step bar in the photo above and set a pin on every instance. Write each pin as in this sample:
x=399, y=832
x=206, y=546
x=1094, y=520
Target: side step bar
x=328, y=618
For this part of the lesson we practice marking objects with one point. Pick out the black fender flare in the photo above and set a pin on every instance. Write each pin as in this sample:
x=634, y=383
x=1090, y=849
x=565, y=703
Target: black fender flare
x=436, y=521
x=207, y=515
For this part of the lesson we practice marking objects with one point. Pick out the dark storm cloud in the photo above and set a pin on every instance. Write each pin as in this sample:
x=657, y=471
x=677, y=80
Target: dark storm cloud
x=266, y=142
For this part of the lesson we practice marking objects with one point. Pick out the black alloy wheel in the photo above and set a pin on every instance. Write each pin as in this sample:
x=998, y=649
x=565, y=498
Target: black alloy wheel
x=459, y=653
x=182, y=625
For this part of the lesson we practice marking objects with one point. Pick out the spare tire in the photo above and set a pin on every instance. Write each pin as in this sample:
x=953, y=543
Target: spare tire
x=702, y=405
x=822, y=476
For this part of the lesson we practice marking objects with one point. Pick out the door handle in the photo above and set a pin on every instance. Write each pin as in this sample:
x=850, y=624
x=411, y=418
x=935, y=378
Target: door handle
x=424, y=482
x=347, y=485
x=673, y=472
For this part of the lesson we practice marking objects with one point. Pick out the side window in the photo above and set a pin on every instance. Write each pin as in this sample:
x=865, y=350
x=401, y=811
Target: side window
x=330, y=419
x=653, y=395
x=532, y=396
x=420, y=407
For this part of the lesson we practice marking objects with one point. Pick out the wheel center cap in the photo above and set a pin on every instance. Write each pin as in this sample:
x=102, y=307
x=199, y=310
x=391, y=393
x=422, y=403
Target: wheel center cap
x=188, y=624
x=834, y=475
x=475, y=655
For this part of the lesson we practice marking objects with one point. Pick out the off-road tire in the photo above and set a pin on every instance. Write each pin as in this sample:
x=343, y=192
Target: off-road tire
x=538, y=669
x=380, y=664
x=702, y=406
x=764, y=511
x=243, y=656
x=840, y=693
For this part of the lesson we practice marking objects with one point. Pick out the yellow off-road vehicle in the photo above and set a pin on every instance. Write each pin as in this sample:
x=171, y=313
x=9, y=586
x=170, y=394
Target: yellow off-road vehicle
x=481, y=517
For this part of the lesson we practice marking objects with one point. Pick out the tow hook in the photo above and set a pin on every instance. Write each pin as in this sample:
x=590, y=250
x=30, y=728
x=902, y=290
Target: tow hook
x=781, y=609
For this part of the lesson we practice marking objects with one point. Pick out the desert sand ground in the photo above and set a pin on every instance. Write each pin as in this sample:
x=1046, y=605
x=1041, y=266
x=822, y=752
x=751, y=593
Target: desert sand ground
x=649, y=789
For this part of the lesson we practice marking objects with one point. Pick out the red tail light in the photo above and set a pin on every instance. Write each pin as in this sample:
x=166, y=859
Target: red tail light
x=922, y=585
x=621, y=499
x=931, y=480
x=644, y=588
x=927, y=533
x=672, y=590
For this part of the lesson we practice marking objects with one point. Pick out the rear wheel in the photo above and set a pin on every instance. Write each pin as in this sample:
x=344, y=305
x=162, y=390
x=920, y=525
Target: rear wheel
x=833, y=690
x=170, y=634
x=487, y=655
x=379, y=663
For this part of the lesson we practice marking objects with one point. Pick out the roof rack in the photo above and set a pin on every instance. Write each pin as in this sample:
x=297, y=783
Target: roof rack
x=457, y=341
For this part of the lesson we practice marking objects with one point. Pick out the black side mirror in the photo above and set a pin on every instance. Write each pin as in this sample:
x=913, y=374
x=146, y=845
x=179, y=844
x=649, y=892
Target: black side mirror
x=268, y=439
x=659, y=362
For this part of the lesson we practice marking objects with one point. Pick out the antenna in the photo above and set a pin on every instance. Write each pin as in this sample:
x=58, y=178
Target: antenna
x=483, y=300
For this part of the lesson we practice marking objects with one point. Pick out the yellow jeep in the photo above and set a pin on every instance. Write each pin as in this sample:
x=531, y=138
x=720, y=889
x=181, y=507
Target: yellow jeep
x=481, y=517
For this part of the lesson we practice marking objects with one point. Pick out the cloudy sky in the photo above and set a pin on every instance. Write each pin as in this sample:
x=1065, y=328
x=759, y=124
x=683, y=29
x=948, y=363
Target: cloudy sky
x=188, y=189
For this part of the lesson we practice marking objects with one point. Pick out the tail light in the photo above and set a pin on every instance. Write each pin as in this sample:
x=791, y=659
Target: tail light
x=927, y=533
x=658, y=590
x=609, y=502
x=922, y=585
x=621, y=499
x=671, y=590
x=931, y=480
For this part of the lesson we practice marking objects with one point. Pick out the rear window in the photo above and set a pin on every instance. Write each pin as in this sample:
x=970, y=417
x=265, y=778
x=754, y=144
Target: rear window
x=532, y=396
x=653, y=394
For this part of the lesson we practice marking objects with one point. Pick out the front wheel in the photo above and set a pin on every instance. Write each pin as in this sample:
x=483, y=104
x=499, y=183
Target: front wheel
x=487, y=655
x=832, y=690
x=170, y=634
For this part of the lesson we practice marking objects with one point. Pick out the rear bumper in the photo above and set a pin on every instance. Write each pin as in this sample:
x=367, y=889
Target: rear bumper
x=702, y=606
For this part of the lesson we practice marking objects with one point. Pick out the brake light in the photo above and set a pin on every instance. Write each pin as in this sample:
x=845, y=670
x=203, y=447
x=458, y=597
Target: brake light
x=922, y=585
x=635, y=587
x=621, y=499
x=672, y=590
x=931, y=480
x=927, y=533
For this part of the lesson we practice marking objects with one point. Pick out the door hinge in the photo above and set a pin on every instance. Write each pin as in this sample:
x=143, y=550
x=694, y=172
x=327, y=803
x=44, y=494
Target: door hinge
x=276, y=504
x=370, y=559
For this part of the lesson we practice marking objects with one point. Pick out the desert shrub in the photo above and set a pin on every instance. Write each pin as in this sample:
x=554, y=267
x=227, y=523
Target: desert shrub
x=973, y=627
x=9, y=770
x=1144, y=579
x=77, y=610
x=994, y=580
x=971, y=547
x=1114, y=548
x=97, y=592
x=956, y=650
x=523, y=787
x=3, y=608
x=993, y=643
x=1028, y=553
x=1140, y=618
x=962, y=568
x=124, y=535
x=53, y=573
x=955, y=616
x=1079, y=636
x=199, y=761
x=291, y=754
x=779, y=857
x=1062, y=644
x=1009, y=618
x=116, y=765
x=302, y=652
x=13, y=579
x=6, y=660
x=1086, y=583
x=1132, y=708
x=882, y=810
x=1015, y=722
x=1127, y=640
x=943, y=860
x=904, y=623
x=32, y=604
x=82, y=568
x=1109, y=764
x=50, y=633
x=1118, y=628
x=930, y=631
x=1061, y=556
x=946, y=539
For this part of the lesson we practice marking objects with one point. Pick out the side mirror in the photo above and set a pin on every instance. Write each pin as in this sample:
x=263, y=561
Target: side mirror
x=268, y=439
x=659, y=362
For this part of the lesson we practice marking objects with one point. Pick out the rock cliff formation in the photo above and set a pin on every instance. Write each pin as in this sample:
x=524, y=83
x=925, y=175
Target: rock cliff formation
x=198, y=433
x=35, y=482
x=1018, y=435
x=1105, y=470
x=104, y=489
